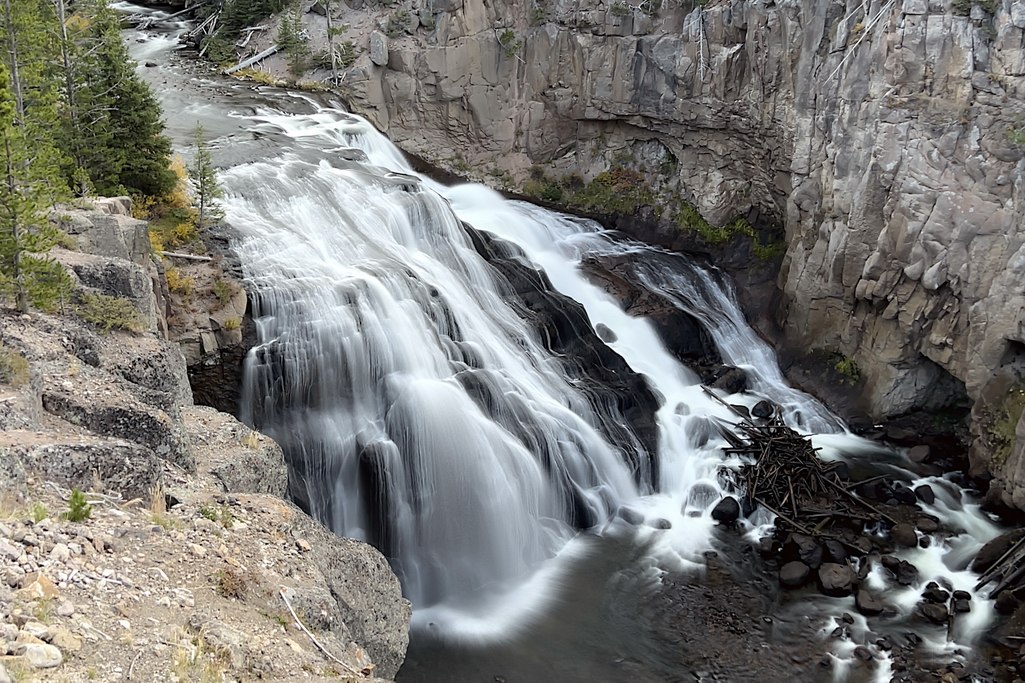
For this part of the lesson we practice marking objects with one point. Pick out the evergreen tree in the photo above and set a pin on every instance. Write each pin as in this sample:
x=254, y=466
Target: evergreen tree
x=293, y=41
x=120, y=117
x=208, y=190
x=29, y=176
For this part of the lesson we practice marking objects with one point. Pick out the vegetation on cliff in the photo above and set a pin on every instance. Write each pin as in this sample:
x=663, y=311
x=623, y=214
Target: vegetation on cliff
x=74, y=119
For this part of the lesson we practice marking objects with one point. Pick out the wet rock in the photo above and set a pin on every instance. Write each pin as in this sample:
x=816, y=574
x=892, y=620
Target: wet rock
x=890, y=563
x=833, y=551
x=927, y=525
x=630, y=516
x=962, y=606
x=763, y=409
x=794, y=574
x=661, y=523
x=1006, y=603
x=904, y=534
x=933, y=593
x=962, y=595
x=937, y=614
x=918, y=454
x=903, y=494
x=726, y=510
x=995, y=549
x=867, y=604
x=731, y=380
x=805, y=548
x=605, y=333
x=836, y=580
x=863, y=653
x=907, y=573
x=925, y=494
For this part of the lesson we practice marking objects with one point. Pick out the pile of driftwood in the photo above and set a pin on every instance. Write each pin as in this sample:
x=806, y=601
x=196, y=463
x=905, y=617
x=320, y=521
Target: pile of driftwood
x=783, y=473
x=1008, y=571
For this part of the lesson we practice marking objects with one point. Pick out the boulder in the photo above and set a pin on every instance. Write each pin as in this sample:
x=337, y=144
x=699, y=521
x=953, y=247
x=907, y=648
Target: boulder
x=918, y=454
x=805, y=548
x=763, y=409
x=40, y=655
x=378, y=48
x=836, y=580
x=794, y=574
x=935, y=613
x=904, y=534
x=730, y=380
x=995, y=549
x=867, y=604
x=726, y=511
x=925, y=494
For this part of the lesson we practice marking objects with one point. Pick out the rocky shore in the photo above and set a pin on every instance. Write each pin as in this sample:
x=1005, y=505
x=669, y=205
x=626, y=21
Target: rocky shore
x=190, y=564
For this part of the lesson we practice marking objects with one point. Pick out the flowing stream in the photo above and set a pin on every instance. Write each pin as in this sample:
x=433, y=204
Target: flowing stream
x=422, y=413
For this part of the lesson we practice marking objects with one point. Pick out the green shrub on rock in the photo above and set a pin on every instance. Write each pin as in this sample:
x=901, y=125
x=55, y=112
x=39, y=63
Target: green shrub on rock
x=109, y=313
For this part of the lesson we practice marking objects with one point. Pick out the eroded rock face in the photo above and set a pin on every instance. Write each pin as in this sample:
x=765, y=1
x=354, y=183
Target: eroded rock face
x=881, y=136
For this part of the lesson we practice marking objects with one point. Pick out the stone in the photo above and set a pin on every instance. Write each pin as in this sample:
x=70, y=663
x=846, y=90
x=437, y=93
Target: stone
x=918, y=454
x=38, y=587
x=934, y=593
x=794, y=574
x=863, y=653
x=37, y=630
x=836, y=580
x=937, y=614
x=66, y=608
x=806, y=548
x=763, y=409
x=1006, y=603
x=834, y=551
x=378, y=48
x=66, y=640
x=994, y=549
x=903, y=494
x=925, y=494
x=726, y=511
x=60, y=553
x=962, y=606
x=904, y=534
x=40, y=655
x=907, y=573
x=4, y=676
x=630, y=516
x=730, y=380
x=867, y=604
x=927, y=525
x=962, y=595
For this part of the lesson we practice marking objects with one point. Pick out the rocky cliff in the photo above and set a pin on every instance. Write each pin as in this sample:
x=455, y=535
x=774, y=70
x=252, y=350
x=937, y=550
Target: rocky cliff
x=191, y=561
x=886, y=137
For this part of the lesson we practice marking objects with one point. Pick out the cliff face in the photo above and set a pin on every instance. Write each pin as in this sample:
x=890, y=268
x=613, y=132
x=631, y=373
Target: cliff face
x=885, y=136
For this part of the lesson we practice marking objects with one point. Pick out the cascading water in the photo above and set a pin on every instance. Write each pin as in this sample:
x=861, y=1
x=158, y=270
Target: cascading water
x=423, y=414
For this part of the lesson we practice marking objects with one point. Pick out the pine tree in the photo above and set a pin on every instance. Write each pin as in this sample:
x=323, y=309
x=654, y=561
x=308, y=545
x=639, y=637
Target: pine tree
x=123, y=145
x=293, y=41
x=208, y=190
x=29, y=177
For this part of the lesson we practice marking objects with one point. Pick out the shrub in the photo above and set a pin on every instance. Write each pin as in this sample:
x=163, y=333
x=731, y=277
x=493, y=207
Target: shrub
x=38, y=512
x=79, y=509
x=179, y=283
x=232, y=324
x=509, y=42
x=231, y=584
x=109, y=313
x=222, y=290
x=848, y=367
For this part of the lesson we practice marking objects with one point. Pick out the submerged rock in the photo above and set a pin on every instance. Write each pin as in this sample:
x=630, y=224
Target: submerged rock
x=763, y=409
x=867, y=604
x=794, y=574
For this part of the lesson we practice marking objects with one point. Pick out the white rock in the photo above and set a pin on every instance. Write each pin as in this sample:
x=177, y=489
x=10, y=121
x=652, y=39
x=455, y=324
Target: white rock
x=41, y=656
x=66, y=608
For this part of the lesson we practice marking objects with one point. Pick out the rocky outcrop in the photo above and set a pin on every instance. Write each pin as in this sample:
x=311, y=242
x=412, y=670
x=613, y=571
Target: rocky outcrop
x=886, y=138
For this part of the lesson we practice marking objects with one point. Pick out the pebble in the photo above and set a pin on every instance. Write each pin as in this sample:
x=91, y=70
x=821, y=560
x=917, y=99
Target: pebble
x=37, y=630
x=66, y=608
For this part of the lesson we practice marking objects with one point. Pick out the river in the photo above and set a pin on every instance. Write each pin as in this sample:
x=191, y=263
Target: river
x=420, y=410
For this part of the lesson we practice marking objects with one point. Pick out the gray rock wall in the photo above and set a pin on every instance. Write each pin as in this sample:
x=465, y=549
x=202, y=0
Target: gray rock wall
x=882, y=135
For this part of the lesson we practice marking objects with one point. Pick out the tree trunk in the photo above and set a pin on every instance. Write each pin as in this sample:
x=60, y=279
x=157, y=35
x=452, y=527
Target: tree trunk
x=12, y=48
x=69, y=81
x=331, y=41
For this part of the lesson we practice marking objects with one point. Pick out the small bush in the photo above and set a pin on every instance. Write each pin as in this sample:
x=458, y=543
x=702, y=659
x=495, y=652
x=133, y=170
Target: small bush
x=13, y=367
x=38, y=512
x=179, y=283
x=79, y=509
x=259, y=76
x=109, y=313
x=232, y=324
x=848, y=367
x=251, y=441
x=619, y=9
x=231, y=584
x=221, y=515
x=509, y=42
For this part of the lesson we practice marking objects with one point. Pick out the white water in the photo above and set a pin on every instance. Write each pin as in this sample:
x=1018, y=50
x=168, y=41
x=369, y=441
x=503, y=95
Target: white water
x=376, y=314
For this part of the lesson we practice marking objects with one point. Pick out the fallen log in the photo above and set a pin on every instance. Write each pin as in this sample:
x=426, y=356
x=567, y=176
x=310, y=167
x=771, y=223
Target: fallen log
x=252, y=60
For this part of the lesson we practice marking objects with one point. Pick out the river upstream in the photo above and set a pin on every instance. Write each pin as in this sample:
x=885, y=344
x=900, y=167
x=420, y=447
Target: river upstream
x=421, y=411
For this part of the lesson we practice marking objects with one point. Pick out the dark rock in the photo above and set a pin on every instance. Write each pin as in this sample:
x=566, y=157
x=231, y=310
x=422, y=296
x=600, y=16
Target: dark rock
x=804, y=548
x=995, y=549
x=630, y=516
x=150, y=64
x=937, y=614
x=907, y=573
x=904, y=534
x=934, y=593
x=794, y=574
x=1006, y=603
x=743, y=410
x=925, y=494
x=726, y=511
x=605, y=334
x=661, y=523
x=763, y=409
x=867, y=604
x=863, y=653
x=904, y=495
x=918, y=454
x=833, y=551
x=962, y=606
x=730, y=379
x=927, y=525
x=962, y=595
x=836, y=580
x=890, y=563
x=847, y=618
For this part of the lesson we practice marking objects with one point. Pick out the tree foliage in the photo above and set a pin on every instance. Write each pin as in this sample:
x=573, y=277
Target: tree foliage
x=293, y=40
x=208, y=190
x=74, y=118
